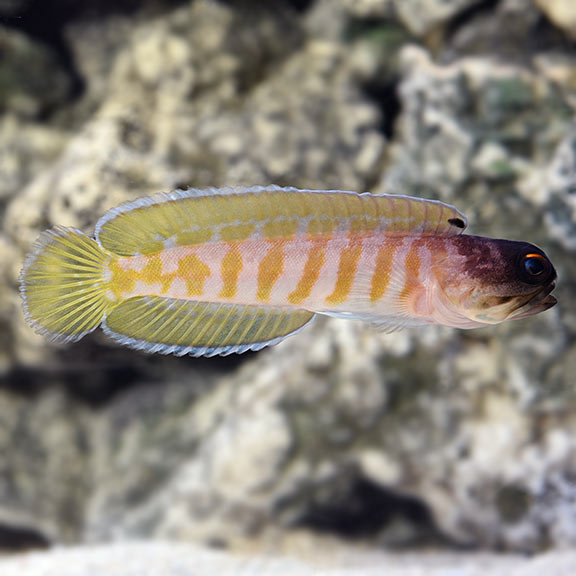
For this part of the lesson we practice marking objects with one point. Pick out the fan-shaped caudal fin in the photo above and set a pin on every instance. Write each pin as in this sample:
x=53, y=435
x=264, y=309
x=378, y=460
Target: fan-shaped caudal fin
x=63, y=285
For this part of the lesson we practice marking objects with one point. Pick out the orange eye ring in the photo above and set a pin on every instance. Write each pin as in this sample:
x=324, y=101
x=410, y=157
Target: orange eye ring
x=535, y=265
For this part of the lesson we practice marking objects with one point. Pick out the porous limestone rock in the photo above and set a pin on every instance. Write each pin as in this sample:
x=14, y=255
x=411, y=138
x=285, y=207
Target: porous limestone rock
x=448, y=419
x=480, y=131
x=26, y=150
x=451, y=418
x=475, y=429
x=561, y=215
x=44, y=450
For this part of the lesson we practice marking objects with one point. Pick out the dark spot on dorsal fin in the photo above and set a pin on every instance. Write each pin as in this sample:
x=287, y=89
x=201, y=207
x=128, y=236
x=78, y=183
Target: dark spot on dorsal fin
x=458, y=222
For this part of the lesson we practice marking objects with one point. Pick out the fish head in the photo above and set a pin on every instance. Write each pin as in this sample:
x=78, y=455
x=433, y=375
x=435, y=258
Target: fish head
x=490, y=281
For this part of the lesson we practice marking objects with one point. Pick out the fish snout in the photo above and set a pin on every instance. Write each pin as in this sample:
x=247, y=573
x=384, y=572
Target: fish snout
x=541, y=301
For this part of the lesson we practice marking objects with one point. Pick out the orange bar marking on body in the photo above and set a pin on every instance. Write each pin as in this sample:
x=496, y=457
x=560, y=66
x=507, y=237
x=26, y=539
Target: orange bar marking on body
x=382, y=272
x=194, y=272
x=347, y=268
x=152, y=273
x=230, y=269
x=269, y=270
x=412, y=268
x=312, y=268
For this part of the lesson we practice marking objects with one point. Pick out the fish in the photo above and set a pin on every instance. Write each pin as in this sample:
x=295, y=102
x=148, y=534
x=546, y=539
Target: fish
x=207, y=272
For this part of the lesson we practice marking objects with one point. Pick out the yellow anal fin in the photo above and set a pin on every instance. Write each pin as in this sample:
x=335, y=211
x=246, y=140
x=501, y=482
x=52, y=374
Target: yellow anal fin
x=180, y=327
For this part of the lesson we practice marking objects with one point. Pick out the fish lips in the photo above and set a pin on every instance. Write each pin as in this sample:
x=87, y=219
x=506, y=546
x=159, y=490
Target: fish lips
x=540, y=302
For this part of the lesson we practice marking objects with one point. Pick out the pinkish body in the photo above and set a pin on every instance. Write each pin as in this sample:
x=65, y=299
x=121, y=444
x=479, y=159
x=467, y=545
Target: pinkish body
x=349, y=275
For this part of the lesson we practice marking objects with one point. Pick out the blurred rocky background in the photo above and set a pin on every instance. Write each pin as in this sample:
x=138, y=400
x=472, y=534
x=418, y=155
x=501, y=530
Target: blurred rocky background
x=453, y=447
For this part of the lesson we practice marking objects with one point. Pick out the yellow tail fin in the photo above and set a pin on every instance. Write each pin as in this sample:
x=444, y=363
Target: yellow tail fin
x=63, y=285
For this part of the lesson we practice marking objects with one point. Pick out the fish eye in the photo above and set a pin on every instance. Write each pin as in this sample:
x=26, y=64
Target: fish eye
x=536, y=267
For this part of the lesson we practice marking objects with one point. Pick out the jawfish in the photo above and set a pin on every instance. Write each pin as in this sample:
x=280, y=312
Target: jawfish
x=217, y=271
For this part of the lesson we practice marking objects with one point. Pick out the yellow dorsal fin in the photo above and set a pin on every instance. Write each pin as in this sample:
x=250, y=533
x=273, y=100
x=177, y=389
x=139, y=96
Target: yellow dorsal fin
x=187, y=217
x=180, y=327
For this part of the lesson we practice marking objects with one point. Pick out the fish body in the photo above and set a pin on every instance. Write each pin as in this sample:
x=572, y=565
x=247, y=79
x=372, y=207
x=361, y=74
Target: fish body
x=228, y=270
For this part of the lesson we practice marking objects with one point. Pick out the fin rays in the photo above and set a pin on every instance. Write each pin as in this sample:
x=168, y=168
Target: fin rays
x=188, y=217
x=170, y=326
x=62, y=285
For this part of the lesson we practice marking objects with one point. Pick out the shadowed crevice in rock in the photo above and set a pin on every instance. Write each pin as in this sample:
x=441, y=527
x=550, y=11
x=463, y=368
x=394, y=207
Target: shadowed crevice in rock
x=266, y=48
x=546, y=37
x=301, y=5
x=298, y=5
x=46, y=20
x=517, y=33
x=365, y=510
x=385, y=96
x=18, y=539
x=94, y=387
x=95, y=375
x=380, y=41
x=469, y=14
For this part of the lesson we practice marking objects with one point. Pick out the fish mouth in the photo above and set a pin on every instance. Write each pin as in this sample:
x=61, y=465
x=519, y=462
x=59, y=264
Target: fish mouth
x=540, y=302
